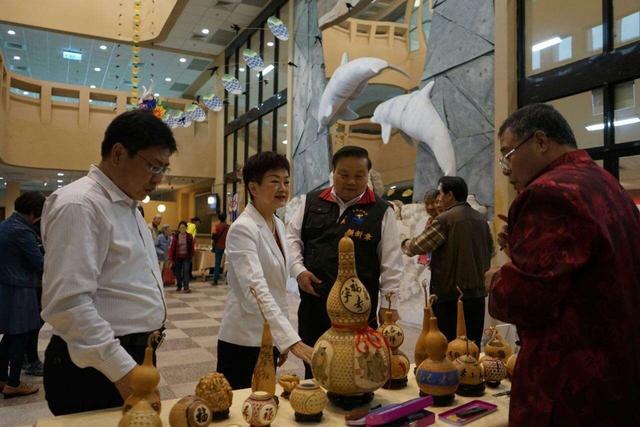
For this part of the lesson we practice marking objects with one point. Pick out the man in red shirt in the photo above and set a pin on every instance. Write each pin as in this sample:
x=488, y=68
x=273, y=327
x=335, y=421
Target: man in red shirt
x=219, y=240
x=572, y=286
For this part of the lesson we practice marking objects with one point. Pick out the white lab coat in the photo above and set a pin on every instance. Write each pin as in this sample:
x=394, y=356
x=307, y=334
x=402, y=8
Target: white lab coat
x=253, y=259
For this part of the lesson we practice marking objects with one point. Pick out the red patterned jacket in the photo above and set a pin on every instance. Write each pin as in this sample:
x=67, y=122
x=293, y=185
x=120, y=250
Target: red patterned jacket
x=573, y=291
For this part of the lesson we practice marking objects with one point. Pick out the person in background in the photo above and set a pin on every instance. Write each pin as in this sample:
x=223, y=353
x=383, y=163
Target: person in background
x=181, y=257
x=153, y=226
x=219, y=239
x=32, y=364
x=461, y=247
x=21, y=265
x=572, y=285
x=102, y=290
x=162, y=245
x=349, y=208
x=257, y=259
x=192, y=226
x=430, y=200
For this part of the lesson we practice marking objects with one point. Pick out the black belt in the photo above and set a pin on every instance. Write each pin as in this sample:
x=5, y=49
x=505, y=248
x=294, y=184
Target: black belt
x=139, y=339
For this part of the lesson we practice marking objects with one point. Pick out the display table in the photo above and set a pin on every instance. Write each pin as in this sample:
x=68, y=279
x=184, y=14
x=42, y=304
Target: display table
x=333, y=416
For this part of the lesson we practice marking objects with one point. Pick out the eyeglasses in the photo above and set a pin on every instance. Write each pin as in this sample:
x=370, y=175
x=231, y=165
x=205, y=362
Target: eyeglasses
x=155, y=170
x=504, y=159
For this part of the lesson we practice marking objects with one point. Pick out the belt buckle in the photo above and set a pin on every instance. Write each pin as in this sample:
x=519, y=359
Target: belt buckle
x=156, y=338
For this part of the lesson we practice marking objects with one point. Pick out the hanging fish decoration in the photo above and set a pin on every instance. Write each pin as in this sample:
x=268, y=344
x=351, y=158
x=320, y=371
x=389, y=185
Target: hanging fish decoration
x=253, y=59
x=278, y=29
x=194, y=113
x=213, y=102
x=231, y=84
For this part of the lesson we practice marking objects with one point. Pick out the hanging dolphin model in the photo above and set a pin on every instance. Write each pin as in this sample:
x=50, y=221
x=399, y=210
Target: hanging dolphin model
x=415, y=115
x=348, y=81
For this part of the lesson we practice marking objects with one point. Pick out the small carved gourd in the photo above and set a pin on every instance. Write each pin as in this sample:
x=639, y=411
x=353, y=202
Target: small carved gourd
x=141, y=415
x=264, y=373
x=190, y=411
x=497, y=346
x=461, y=345
x=394, y=336
x=216, y=391
x=145, y=379
x=421, y=343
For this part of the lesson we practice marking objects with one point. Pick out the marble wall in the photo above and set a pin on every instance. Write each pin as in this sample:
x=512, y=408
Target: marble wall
x=311, y=151
x=460, y=60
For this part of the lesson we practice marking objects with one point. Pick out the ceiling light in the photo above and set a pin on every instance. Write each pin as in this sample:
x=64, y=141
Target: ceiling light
x=267, y=70
x=59, y=186
x=91, y=101
x=167, y=79
x=156, y=95
x=270, y=44
x=92, y=86
x=11, y=33
x=98, y=69
x=205, y=31
x=285, y=125
x=623, y=122
x=60, y=174
x=161, y=208
x=46, y=183
x=285, y=142
x=1, y=178
x=146, y=199
x=17, y=58
x=416, y=3
x=545, y=44
x=183, y=60
x=103, y=47
x=24, y=92
x=73, y=56
x=210, y=200
x=393, y=187
x=60, y=181
x=241, y=69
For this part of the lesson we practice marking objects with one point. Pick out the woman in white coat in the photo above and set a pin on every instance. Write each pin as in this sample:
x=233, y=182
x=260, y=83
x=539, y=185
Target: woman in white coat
x=257, y=257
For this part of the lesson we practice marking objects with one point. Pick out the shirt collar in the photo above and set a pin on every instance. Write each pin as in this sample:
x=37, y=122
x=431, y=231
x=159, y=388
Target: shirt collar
x=115, y=193
x=365, y=198
x=572, y=157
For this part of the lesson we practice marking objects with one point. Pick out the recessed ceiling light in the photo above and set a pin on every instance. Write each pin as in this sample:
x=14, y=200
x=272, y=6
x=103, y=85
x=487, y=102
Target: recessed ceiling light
x=285, y=125
x=91, y=101
x=17, y=58
x=98, y=69
x=92, y=86
x=241, y=69
x=167, y=79
x=24, y=92
x=270, y=44
x=285, y=142
x=267, y=70
x=60, y=181
x=103, y=47
x=1, y=178
x=11, y=33
x=60, y=174
x=46, y=183
x=183, y=60
x=205, y=31
x=156, y=95
x=59, y=186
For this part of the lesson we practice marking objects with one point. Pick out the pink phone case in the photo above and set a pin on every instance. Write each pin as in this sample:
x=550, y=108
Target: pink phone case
x=394, y=412
x=451, y=416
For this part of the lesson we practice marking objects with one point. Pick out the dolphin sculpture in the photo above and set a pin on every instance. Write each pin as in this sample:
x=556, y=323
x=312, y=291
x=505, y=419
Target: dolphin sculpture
x=415, y=115
x=348, y=81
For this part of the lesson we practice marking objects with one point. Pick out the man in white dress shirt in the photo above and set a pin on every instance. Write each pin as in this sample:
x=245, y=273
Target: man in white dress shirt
x=349, y=208
x=102, y=286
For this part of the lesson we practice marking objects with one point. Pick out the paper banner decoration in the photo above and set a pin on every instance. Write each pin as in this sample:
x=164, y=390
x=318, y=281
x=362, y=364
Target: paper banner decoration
x=213, y=102
x=253, y=59
x=278, y=29
x=231, y=84
x=195, y=113
x=179, y=119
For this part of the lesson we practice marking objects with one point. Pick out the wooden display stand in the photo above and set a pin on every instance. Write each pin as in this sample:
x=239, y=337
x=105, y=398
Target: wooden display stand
x=333, y=416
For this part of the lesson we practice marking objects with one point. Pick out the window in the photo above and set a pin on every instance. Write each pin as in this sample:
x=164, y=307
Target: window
x=627, y=22
x=627, y=114
x=579, y=112
x=630, y=175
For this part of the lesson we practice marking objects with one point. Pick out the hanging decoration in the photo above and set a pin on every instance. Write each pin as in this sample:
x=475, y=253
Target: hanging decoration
x=213, y=102
x=135, y=52
x=194, y=113
x=231, y=84
x=278, y=28
x=253, y=59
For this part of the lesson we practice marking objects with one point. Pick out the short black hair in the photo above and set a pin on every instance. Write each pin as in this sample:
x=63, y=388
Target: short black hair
x=137, y=130
x=182, y=222
x=195, y=219
x=455, y=185
x=222, y=217
x=351, y=151
x=259, y=164
x=544, y=117
x=430, y=195
x=29, y=203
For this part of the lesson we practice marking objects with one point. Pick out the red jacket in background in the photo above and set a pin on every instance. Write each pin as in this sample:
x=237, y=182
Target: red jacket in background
x=174, y=247
x=220, y=235
x=573, y=291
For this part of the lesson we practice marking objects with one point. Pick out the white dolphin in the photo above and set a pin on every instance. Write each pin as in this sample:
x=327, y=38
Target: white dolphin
x=415, y=115
x=348, y=81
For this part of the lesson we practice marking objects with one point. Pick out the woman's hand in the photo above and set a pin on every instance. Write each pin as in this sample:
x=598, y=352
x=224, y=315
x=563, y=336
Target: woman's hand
x=302, y=351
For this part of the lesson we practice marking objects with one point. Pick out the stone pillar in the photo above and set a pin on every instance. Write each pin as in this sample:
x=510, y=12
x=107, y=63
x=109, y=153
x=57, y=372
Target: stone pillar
x=310, y=150
x=460, y=59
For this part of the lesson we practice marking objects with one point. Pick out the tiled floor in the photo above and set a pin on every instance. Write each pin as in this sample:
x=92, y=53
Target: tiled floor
x=189, y=350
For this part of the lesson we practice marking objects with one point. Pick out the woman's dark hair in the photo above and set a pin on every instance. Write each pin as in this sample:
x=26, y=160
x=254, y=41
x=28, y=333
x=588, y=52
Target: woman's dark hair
x=222, y=217
x=542, y=117
x=455, y=185
x=195, y=219
x=259, y=164
x=137, y=130
x=351, y=151
x=29, y=203
x=182, y=223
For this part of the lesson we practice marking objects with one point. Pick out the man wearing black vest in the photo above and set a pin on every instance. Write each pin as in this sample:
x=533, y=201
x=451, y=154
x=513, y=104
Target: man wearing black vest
x=461, y=247
x=349, y=208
